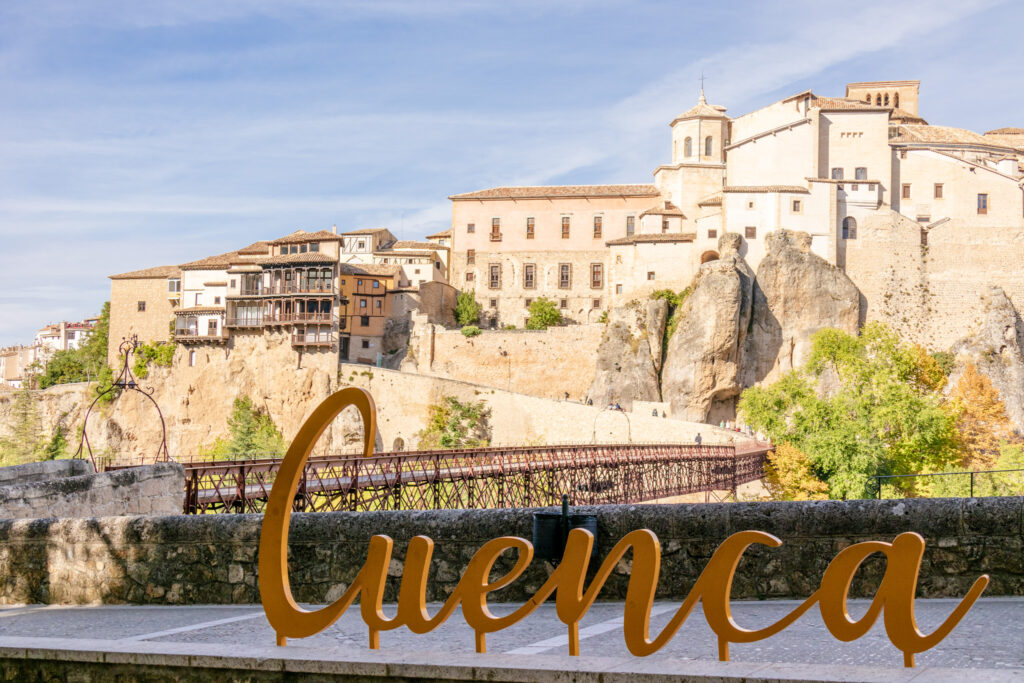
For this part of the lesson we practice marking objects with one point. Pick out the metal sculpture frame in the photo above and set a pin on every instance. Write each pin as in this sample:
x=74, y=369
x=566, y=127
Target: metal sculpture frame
x=125, y=381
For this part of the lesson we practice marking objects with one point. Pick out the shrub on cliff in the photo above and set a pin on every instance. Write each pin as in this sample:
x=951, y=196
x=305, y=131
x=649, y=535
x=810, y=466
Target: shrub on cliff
x=467, y=310
x=253, y=433
x=543, y=314
x=453, y=424
x=470, y=331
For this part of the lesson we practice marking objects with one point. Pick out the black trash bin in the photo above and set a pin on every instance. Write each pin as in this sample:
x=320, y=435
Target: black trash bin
x=550, y=530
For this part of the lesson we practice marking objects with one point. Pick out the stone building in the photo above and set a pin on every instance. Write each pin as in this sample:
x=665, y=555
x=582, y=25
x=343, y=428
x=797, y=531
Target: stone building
x=821, y=165
x=143, y=303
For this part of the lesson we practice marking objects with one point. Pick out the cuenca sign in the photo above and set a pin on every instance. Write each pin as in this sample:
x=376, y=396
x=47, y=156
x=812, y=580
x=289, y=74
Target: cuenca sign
x=894, y=598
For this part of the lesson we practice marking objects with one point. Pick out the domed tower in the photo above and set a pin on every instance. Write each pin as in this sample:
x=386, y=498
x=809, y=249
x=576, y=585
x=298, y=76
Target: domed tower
x=698, y=134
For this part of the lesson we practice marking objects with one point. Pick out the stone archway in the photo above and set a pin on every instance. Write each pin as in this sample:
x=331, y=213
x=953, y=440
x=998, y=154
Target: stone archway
x=399, y=445
x=709, y=256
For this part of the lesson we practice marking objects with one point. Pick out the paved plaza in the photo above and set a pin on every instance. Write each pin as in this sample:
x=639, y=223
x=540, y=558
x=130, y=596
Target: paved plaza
x=990, y=640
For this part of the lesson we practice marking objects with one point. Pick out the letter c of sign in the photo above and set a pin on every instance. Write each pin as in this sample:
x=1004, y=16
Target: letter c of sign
x=285, y=616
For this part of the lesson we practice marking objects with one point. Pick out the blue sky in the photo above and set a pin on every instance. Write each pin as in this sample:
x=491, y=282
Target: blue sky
x=135, y=134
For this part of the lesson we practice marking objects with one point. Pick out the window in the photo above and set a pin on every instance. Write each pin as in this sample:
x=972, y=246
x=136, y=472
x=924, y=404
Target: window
x=596, y=275
x=211, y=328
x=565, y=227
x=376, y=284
x=469, y=276
x=750, y=232
x=359, y=283
x=796, y=206
x=837, y=174
x=707, y=146
x=295, y=249
x=174, y=285
x=982, y=203
x=495, y=269
x=906, y=191
x=867, y=98
x=618, y=289
x=529, y=276
x=191, y=358
x=494, y=303
x=216, y=301
x=687, y=147
x=315, y=246
x=495, y=229
x=903, y=154
x=364, y=320
x=378, y=303
x=529, y=228
x=362, y=303
x=142, y=306
x=849, y=228
x=528, y=302
x=564, y=275
x=650, y=274
x=750, y=204
x=232, y=283
x=860, y=173
x=712, y=234
x=366, y=344
x=630, y=225
x=618, y=258
x=362, y=245
x=596, y=303
x=598, y=220
x=938, y=190
x=564, y=303
x=664, y=225
x=878, y=100
x=896, y=100
x=303, y=248
x=887, y=99
x=416, y=272
x=470, y=257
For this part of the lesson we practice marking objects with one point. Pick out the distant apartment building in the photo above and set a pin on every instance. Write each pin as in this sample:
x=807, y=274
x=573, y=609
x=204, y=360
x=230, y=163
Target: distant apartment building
x=16, y=362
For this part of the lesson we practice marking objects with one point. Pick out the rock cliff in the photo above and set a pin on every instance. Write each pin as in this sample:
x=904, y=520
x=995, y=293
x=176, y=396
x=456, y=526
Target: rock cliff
x=629, y=357
x=997, y=349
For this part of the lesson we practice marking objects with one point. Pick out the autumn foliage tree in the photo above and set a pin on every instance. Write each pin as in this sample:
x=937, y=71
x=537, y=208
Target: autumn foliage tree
x=983, y=424
x=788, y=475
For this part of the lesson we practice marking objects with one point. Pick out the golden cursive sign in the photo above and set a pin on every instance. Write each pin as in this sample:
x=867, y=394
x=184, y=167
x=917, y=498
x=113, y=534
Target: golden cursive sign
x=894, y=598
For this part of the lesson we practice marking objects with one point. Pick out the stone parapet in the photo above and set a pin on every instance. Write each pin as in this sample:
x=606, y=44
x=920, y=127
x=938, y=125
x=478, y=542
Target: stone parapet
x=212, y=559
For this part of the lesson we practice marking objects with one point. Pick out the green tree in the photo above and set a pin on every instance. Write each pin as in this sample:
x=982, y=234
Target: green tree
x=543, y=314
x=885, y=417
x=253, y=433
x=158, y=354
x=57, y=447
x=467, y=310
x=25, y=442
x=453, y=424
x=87, y=363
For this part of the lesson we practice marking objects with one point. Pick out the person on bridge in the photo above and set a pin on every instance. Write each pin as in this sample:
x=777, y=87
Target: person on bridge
x=697, y=439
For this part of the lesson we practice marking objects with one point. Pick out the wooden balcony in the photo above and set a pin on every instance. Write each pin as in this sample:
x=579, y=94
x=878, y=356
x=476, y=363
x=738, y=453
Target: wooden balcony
x=313, y=339
x=189, y=336
x=248, y=321
x=292, y=318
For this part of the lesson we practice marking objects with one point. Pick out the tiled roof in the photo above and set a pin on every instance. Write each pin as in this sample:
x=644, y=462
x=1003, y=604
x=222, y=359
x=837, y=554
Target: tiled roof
x=1014, y=141
x=439, y=235
x=767, y=188
x=365, y=231
x=256, y=249
x=663, y=209
x=657, y=237
x=199, y=309
x=702, y=110
x=369, y=269
x=1006, y=131
x=303, y=236
x=844, y=104
x=845, y=181
x=149, y=273
x=711, y=200
x=215, y=284
x=412, y=244
x=549, y=191
x=904, y=116
x=212, y=262
x=942, y=135
x=405, y=252
x=308, y=257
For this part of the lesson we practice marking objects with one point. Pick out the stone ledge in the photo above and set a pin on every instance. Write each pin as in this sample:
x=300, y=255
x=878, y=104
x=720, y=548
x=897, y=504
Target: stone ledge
x=101, y=660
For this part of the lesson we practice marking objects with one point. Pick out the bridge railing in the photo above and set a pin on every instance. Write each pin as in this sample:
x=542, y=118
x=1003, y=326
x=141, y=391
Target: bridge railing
x=513, y=476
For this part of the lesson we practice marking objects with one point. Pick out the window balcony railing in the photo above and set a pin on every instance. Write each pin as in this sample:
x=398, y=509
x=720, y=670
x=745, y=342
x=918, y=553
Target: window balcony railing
x=299, y=288
x=245, y=321
x=495, y=236
x=191, y=335
x=313, y=339
x=290, y=318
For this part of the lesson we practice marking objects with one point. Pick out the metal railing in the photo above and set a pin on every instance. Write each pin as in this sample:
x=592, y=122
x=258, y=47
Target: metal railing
x=971, y=474
x=493, y=477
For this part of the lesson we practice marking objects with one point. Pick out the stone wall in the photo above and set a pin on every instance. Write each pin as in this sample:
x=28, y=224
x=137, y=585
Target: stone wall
x=43, y=471
x=149, y=490
x=212, y=559
x=544, y=363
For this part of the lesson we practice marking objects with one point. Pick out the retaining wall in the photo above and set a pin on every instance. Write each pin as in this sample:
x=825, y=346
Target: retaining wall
x=149, y=490
x=43, y=471
x=211, y=559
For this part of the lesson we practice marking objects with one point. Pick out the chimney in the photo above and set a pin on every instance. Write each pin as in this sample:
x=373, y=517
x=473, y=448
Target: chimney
x=334, y=228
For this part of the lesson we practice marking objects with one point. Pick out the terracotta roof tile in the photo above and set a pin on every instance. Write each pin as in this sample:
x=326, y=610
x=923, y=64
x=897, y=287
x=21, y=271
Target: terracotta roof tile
x=308, y=257
x=1006, y=131
x=439, y=235
x=904, y=116
x=663, y=209
x=369, y=269
x=413, y=244
x=942, y=135
x=256, y=249
x=212, y=262
x=149, y=273
x=702, y=110
x=549, y=191
x=1012, y=141
x=365, y=231
x=404, y=252
x=711, y=200
x=766, y=188
x=656, y=237
x=199, y=309
x=303, y=236
x=844, y=104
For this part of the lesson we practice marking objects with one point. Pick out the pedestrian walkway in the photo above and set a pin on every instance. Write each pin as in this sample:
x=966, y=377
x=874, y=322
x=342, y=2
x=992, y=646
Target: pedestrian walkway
x=989, y=643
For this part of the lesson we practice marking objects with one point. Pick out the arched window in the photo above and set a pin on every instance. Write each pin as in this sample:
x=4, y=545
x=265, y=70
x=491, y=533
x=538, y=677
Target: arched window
x=878, y=100
x=887, y=99
x=868, y=98
x=688, y=147
x=707, y=146
x=849, y=228
x=896, y=100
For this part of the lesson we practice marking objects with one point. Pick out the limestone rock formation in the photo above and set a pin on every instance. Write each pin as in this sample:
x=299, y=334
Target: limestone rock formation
x=997, y=349
x=703, y=364
x=796, y=293
x=629, y=357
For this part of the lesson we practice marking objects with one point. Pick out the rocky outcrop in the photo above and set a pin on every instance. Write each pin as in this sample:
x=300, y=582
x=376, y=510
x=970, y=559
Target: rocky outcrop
x=997, y=349
x=796, y=293
x=629, y=357
x=704, y=360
